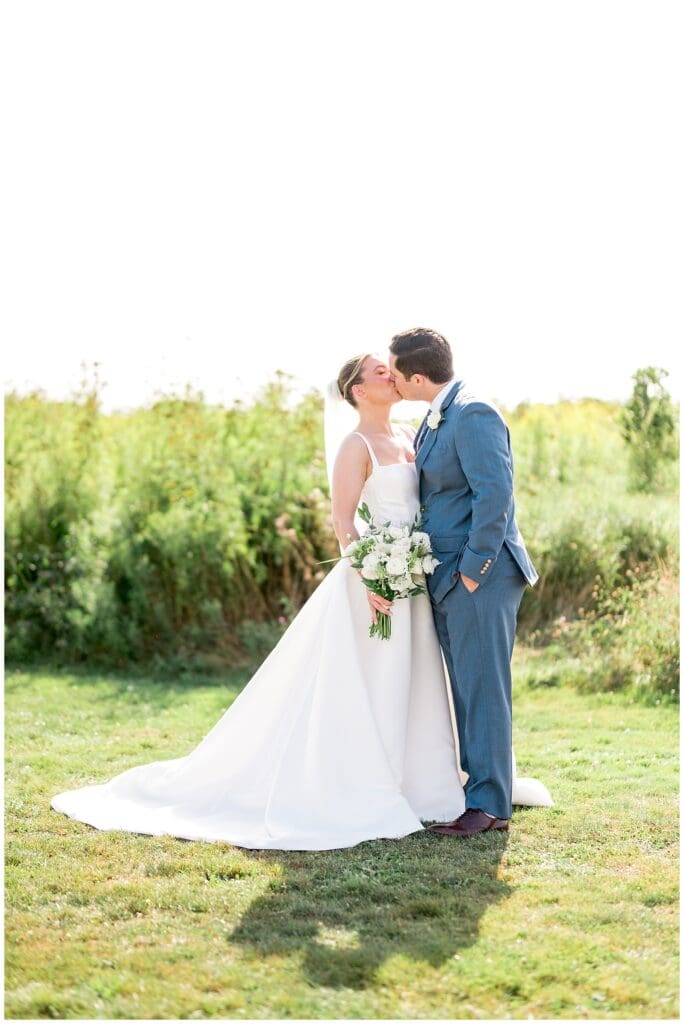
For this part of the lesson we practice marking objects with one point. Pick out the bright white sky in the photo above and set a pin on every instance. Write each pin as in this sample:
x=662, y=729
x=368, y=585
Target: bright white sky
x=207, y=192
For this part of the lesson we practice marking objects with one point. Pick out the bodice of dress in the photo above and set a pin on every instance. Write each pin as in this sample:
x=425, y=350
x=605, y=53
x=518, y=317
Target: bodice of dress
x=391, y=492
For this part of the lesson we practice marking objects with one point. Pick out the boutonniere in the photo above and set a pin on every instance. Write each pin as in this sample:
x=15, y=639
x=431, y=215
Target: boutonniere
x=434, y=420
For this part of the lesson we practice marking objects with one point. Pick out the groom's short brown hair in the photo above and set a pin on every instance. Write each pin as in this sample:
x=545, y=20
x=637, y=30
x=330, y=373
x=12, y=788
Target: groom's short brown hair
x=425, y=352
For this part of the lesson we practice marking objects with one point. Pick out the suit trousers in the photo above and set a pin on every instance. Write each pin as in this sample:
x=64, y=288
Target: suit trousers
x=477, y=632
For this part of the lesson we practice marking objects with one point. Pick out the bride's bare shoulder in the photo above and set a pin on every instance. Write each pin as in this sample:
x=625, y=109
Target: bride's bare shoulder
x=352, y=464
x=353, y=449
x=353, y=443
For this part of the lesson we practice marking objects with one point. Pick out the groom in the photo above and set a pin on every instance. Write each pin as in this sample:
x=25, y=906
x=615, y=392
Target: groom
x=465, y=468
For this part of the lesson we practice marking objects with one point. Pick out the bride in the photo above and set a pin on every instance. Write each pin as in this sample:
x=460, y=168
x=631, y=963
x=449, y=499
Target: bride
x=338, y=737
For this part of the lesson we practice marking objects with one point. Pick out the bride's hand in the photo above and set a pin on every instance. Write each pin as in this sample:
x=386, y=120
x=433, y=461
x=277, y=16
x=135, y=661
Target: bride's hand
x=377, y=604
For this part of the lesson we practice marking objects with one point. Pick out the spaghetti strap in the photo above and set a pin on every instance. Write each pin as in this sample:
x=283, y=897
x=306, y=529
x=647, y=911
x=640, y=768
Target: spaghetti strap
x=368, y=446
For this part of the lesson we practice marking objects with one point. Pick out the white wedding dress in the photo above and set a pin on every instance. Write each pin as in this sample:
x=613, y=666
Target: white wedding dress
x=336, y=739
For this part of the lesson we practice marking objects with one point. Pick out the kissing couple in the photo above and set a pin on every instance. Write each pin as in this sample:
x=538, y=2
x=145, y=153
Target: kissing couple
x=340, y=737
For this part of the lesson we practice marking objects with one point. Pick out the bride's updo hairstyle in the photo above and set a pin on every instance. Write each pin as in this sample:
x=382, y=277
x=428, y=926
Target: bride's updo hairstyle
x=351, y=374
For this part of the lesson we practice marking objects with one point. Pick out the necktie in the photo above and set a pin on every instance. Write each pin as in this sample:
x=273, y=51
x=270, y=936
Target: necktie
x=422, y=431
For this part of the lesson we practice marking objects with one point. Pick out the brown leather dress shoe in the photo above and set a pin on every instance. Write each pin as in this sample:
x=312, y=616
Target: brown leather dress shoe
x=470, y=822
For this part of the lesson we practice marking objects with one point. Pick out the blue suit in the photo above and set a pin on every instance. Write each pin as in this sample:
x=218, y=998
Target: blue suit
x=465, y=469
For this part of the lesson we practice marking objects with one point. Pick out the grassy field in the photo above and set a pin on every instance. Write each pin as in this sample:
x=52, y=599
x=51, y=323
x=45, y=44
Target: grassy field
x=572, y=914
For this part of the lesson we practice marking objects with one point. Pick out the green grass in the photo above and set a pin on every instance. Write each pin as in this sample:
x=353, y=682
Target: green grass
x=572, y=914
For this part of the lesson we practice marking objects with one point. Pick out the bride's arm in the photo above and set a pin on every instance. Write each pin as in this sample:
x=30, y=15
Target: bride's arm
x=350, y=471
x=349, y=475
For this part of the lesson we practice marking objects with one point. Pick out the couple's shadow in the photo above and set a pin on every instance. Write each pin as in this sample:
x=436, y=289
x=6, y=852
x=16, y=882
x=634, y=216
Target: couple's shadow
x=349, y=911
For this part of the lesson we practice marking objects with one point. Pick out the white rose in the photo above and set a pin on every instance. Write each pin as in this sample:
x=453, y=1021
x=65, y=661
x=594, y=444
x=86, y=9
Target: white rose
x=402, y=545
x=369, y=574
x=396, y=566
x=434, y=420
x=371, y=560
x=421, y=538
x=429, y=563
x=398, y=531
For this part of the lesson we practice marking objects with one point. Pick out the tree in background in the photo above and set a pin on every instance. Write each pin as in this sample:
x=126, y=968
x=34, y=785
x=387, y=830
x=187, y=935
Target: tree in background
x=649, y=427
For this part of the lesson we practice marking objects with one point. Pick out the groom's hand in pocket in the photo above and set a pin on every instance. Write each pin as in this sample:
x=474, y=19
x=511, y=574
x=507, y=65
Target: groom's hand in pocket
x=470, y=585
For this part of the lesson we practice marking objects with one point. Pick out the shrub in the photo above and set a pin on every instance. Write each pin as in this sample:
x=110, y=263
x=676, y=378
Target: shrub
x=181, y=533
x=649, y=428
x=58, y=487
x=157, y=533
x=572, y=554
x=629, y=640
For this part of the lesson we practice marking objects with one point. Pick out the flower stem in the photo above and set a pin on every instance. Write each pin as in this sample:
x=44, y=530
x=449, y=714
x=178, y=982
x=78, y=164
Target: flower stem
x=382, y=628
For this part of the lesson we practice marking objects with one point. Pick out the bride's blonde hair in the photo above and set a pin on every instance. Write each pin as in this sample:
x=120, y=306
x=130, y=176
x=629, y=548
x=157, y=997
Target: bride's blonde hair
x=351, y=374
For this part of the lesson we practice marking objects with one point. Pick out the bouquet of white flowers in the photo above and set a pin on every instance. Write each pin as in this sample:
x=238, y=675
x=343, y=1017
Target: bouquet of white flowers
x=393, y=561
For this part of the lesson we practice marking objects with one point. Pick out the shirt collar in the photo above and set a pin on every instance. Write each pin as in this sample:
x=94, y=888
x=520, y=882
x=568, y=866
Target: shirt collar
x=436, y=403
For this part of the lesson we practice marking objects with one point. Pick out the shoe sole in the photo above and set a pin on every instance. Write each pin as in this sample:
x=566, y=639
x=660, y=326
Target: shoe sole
x=466, y=835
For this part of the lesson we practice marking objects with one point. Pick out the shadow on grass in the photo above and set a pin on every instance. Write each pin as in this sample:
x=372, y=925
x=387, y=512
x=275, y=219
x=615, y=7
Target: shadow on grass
x=349, y=911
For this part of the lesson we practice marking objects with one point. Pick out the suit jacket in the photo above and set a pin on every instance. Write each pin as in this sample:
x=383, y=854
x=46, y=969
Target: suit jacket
x=465, y=469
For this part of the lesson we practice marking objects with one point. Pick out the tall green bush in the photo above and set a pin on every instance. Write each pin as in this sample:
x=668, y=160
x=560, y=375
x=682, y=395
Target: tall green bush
x=58, y=522
x=160, y=532
x=649, y=428
x=188, y=534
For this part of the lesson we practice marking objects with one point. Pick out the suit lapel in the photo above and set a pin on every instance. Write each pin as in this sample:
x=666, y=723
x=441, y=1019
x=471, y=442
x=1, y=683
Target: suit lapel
x=427, y=444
